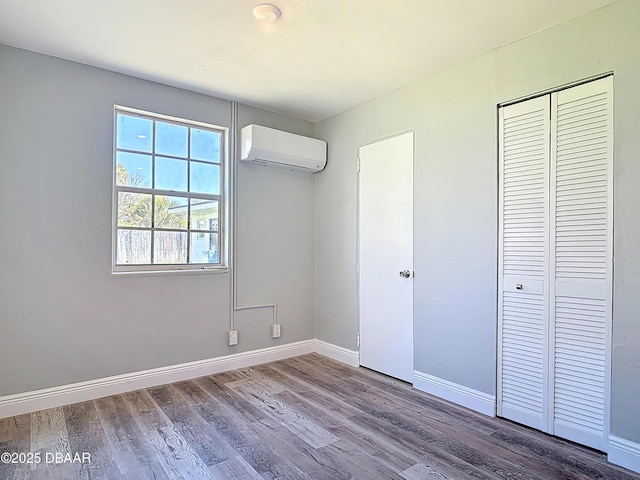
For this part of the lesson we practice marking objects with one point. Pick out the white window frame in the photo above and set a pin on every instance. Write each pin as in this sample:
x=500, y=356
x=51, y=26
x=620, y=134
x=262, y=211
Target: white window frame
x=221, y=198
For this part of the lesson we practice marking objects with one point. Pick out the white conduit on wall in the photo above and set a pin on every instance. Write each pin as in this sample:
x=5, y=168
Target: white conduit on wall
x=233, y=242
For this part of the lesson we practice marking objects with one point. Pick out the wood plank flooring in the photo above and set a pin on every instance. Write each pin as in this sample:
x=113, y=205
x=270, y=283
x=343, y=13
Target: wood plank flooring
x=303, y=418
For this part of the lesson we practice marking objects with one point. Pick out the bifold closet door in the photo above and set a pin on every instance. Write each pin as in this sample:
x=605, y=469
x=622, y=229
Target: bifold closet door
x=581, y=197
x=523, y=262
x=555, y=262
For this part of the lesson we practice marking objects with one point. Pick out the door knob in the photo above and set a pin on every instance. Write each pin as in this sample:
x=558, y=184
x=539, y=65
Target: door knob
x=405, y=273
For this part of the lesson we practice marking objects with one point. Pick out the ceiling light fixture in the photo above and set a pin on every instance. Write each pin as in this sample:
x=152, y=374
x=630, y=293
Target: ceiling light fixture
x=267, y=13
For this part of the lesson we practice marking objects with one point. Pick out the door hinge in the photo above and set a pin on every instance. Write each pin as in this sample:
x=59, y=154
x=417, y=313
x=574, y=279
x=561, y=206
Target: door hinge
x=358, y=166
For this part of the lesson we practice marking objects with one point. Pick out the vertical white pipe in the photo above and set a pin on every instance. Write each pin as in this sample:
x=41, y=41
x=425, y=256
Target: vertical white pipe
x=233, y=185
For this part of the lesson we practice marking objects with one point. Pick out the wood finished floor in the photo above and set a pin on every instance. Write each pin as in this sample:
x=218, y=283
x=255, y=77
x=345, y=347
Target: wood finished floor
x=302, y=418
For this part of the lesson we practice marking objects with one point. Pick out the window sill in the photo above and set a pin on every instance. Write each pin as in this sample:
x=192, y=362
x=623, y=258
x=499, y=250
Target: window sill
x=176, y=271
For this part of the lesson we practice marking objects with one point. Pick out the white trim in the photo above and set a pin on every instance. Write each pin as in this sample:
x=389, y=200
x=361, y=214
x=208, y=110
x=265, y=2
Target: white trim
x=341, y=354
x=624, y=453
x=459, y=394
x=27, y=402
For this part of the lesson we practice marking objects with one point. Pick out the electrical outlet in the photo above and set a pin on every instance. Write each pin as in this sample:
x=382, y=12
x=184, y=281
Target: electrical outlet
x=358, y=340
x=275, y=330
x=232, y=337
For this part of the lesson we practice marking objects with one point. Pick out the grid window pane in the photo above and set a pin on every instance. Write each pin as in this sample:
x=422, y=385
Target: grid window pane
x=204, y=248
x=171, y=174
x=153, y=157
x=134, y=133
x=204, y=214
x=134, y=247
x=133, y=169
x=171, y=139
x=205, y=178
x=169, y=247
x=170, y=212
x=134, y=209
x=205, y=145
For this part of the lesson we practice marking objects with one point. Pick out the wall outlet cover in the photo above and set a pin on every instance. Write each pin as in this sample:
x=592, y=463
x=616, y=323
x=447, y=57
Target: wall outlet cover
x=275, y=330
x=232, y=337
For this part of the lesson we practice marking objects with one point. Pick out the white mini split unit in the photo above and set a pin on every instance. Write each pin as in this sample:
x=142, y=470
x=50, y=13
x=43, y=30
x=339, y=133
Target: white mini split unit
x=275, y=148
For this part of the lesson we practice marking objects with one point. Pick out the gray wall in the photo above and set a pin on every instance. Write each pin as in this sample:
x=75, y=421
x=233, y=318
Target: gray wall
x=274, y=256
x=453, y=115
x=64, y=317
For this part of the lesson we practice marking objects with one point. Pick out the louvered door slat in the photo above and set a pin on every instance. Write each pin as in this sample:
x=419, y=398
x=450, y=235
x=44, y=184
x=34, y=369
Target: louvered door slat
x=524, y=250
x=581, y=260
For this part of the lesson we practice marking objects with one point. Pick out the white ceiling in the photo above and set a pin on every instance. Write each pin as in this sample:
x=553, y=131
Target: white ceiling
x=322, y=57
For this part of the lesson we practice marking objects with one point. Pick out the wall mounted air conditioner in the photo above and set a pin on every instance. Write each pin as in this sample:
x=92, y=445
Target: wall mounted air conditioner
x=275, y=148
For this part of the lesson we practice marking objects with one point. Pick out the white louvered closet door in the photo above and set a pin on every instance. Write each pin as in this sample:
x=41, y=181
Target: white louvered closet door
x=582, y=151
x=555, y=257
x=524, y=253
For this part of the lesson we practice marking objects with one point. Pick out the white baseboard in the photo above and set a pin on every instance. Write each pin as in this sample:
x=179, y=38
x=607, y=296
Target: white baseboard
x=624, y=453
x=27, y=402
x=453, y=392
x=341, y=354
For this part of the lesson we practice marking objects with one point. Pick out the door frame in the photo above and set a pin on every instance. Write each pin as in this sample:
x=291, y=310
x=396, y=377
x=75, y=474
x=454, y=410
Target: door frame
x=358, y=234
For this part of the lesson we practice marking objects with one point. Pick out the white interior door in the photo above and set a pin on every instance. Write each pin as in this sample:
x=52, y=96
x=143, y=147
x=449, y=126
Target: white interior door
x=386, y=256
x=582, y=260
x=523, y=307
